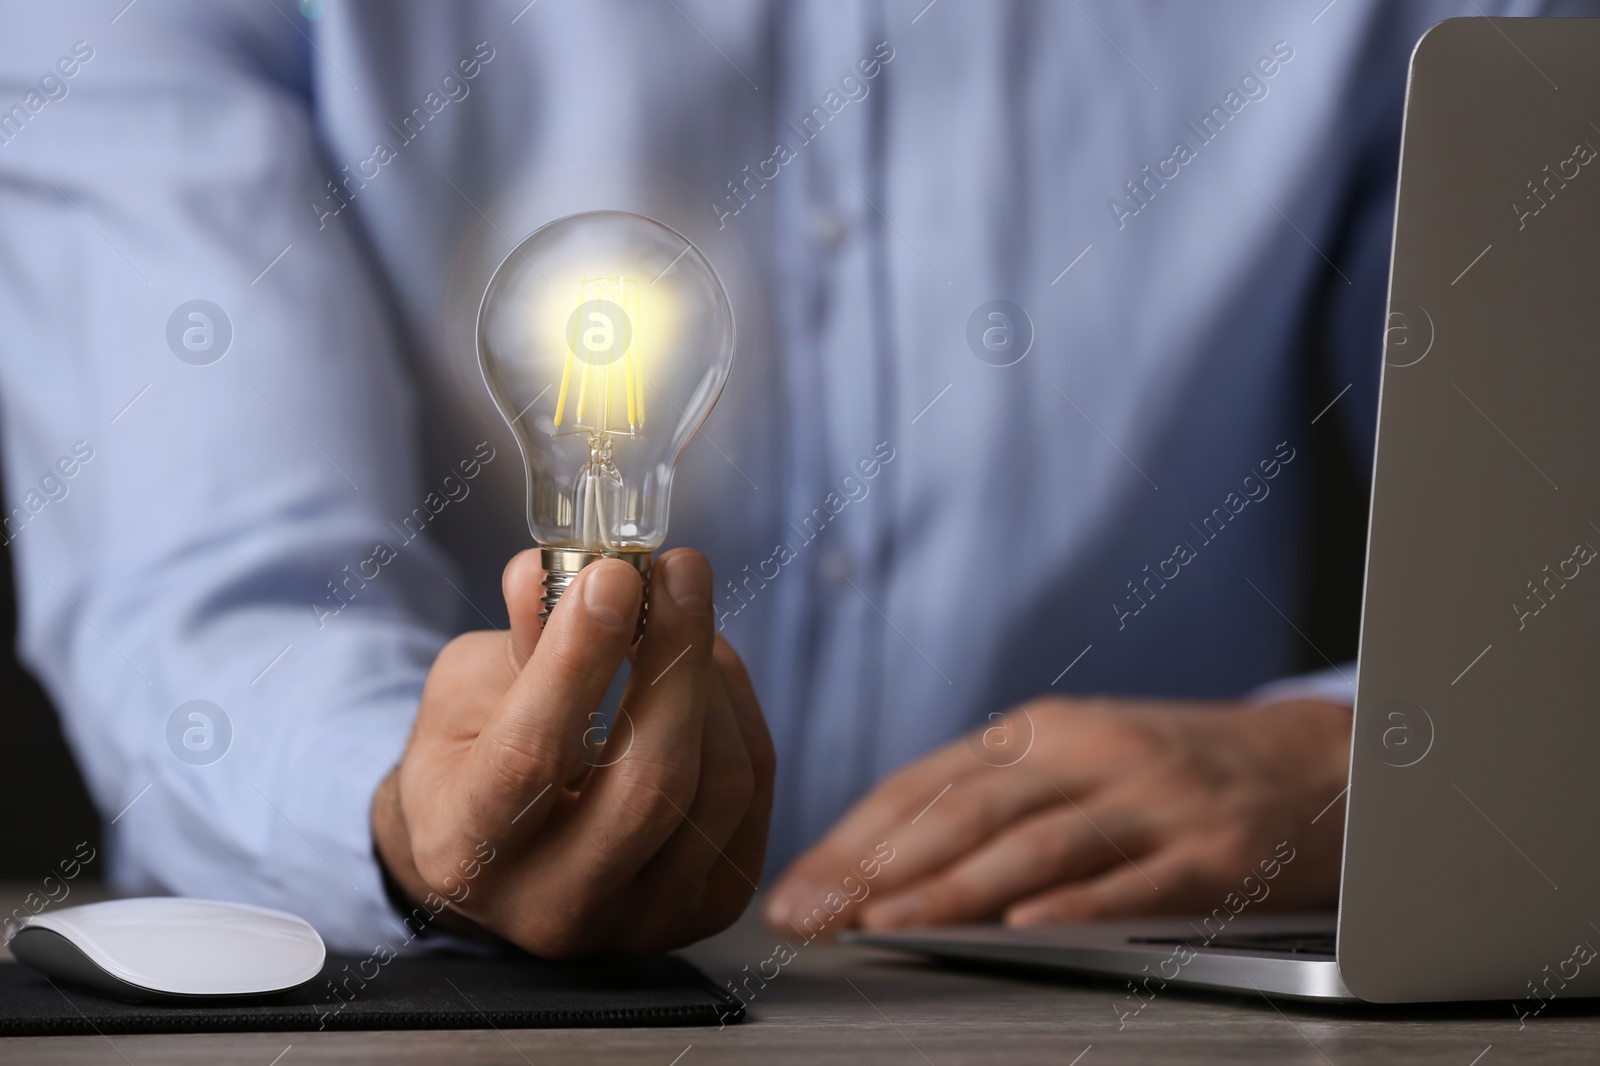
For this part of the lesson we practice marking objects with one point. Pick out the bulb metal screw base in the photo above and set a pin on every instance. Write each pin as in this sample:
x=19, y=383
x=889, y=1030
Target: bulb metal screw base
x=562, y=566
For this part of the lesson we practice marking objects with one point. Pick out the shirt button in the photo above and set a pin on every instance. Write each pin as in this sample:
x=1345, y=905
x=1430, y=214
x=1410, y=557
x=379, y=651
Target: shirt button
x=829, y=228
x=835, y=568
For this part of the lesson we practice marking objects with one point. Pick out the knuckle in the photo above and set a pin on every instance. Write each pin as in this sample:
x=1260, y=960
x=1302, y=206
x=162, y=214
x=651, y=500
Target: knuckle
x=470, y=645
x=651, y=794
x=462, y=657
x=522, y=762
x=981, y=807
x=1139, y=740
x=457, y=649
x=901, y=793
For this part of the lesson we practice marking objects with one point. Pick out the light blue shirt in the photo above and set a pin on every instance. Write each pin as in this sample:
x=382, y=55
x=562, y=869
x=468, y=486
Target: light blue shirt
x=285, y=509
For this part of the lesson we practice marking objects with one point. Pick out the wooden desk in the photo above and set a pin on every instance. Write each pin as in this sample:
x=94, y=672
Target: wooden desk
x=834, y=1004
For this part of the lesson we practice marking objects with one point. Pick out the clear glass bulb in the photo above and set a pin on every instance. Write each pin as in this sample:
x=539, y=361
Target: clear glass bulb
x=605, y=339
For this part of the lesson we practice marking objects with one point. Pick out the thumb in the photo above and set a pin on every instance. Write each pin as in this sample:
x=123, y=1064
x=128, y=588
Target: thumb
x=533, y=740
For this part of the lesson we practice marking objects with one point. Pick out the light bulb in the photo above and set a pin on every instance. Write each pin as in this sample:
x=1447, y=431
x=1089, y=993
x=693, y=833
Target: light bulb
x=605, y=339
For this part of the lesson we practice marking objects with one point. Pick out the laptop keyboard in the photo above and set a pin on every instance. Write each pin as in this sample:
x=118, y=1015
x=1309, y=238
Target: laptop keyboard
x=1284, y=943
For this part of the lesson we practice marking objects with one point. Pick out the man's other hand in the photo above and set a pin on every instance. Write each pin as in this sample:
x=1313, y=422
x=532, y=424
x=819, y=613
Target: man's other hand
x=506, y=805
x=1084, y=810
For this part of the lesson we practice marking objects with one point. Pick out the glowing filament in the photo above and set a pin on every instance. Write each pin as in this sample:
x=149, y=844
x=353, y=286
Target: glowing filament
x=607, y=308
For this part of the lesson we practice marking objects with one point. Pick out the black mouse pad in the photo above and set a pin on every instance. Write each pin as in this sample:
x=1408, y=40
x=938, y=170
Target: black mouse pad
x=436, y=992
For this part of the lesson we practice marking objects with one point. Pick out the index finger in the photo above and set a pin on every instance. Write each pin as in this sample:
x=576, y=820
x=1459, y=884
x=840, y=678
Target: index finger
x=522, y=584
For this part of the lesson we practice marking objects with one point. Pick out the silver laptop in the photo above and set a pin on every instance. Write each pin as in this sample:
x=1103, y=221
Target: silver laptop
x=1472, y=831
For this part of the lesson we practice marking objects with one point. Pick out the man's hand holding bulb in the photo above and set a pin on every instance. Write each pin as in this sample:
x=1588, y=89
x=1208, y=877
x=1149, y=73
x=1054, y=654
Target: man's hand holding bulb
x=637, y=851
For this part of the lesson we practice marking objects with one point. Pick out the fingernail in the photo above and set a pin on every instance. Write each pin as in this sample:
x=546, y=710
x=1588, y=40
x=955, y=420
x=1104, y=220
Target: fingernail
x=903, y=910
x=785, y=902
x=609, y=592
x=688, y=580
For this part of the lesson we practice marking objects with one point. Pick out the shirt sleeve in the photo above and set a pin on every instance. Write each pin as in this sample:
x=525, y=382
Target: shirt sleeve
x=1336, y=684
x=200, y=496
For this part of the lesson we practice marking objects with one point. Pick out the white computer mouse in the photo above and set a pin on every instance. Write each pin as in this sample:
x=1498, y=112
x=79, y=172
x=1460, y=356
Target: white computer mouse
x=168, y=949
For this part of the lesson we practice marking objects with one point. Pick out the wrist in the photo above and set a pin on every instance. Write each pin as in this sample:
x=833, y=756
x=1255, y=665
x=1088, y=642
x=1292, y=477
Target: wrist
x=391, y=845
x=419, y=906
x=1313, y=734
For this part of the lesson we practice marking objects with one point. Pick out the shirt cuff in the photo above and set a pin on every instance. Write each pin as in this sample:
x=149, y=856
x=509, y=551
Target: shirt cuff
x=1337, y=684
